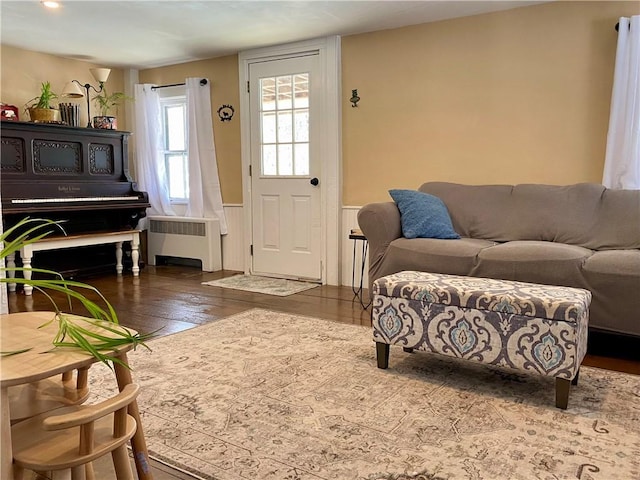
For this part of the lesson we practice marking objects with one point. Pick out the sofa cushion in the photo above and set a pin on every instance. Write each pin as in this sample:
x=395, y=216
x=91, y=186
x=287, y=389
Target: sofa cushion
x=586, y=214
x=423, y=215
x=615, y=262
x=614, y=278
x=477, y=211
x=535, y=262
x=456, y=257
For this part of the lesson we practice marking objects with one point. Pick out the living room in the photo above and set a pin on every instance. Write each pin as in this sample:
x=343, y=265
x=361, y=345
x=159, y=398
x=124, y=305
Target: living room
x=514, y=96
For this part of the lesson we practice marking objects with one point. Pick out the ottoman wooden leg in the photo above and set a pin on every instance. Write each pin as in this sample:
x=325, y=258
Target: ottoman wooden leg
x=407, y=349
x=575, y=379
x=562, y=392
x=382, y=354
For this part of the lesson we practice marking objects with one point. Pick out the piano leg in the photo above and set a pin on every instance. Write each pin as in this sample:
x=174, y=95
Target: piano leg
x=11, y=263
x=119, y=258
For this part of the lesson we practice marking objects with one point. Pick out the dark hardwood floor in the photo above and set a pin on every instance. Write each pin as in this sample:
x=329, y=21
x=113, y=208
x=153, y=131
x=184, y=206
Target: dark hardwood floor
x=171, y=298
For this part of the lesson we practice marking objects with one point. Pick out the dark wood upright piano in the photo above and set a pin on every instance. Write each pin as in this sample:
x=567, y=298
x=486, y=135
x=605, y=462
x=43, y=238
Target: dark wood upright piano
x=77, y=175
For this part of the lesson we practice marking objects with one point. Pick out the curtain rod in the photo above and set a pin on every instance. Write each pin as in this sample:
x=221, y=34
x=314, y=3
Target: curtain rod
x=202, y=82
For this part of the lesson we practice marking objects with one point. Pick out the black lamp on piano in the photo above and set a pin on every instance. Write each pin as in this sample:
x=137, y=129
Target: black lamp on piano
x=73, y=88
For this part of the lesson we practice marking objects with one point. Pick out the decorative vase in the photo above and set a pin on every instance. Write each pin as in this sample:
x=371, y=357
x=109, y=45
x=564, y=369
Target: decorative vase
x=44, y=114
x=105, y=121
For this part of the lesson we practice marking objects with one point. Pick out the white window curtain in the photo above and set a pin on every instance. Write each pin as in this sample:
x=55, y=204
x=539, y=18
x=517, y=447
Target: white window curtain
x=622, y=160
x=205, y=197
x=150, y=166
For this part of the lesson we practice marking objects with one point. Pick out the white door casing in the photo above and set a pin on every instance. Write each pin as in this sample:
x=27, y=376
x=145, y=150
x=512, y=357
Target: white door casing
x=329, y=150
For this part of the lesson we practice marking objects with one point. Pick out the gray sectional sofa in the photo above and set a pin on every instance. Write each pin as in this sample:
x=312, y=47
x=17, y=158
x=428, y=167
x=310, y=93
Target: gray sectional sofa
x=582, y=235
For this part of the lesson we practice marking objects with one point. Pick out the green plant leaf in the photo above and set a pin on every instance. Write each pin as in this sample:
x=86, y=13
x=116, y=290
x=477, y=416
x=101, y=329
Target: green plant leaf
x=15, y=352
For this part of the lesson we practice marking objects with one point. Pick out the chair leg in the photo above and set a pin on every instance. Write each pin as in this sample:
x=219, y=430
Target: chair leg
x=88, y=471
x=18, y=472
x=122, y=464
x=65, y=474
x=78, y=473
x=41, y=475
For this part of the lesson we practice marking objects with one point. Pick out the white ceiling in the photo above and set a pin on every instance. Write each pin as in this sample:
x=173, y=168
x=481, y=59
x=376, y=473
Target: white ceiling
x=144, y=34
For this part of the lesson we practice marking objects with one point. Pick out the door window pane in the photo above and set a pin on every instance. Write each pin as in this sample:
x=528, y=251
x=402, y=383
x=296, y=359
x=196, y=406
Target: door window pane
x=283, y=89
x=268, y=91
x=269, y=127
x=285, y=159
x=285, y=127
x=301, y=127
x=301, y=159
x=269, y=160
x=301, y=89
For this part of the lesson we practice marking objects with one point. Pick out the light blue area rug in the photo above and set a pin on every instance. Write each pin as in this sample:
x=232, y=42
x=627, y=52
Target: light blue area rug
x=270, y=286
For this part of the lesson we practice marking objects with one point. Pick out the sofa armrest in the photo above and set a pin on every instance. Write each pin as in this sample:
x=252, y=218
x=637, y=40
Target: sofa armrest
x=380, y=224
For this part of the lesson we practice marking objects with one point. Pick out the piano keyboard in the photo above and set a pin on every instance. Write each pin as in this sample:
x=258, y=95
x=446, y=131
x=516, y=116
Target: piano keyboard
x=72, y=199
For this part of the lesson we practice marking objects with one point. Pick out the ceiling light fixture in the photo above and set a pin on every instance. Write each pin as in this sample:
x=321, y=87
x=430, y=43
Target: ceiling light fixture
x=50, y=3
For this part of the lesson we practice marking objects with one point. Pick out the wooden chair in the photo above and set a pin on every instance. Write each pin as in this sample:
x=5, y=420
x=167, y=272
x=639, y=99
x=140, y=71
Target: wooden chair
x=38, y=397
x=72, y=437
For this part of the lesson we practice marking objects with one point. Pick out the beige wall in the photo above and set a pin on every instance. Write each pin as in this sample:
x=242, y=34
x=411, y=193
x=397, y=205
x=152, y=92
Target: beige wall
x=223, y=74
x=22, y=72
x=511, y=97
x=508, y=97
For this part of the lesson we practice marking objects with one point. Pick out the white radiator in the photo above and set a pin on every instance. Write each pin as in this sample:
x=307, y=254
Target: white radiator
x=185, y=237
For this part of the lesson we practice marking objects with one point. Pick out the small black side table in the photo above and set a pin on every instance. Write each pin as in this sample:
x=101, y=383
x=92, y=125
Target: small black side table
x=358, y=292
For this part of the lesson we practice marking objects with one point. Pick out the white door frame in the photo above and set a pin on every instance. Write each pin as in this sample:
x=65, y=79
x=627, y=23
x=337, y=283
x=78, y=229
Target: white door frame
x=330, y=150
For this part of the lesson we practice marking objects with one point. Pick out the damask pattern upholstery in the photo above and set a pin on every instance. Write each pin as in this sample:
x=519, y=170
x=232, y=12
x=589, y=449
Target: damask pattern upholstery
x=525, y=326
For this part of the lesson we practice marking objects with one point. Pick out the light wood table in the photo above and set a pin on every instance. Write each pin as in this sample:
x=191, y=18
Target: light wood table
x=20, y=330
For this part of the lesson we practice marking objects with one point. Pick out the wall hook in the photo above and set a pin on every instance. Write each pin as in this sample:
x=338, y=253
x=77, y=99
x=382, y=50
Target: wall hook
x=354, y=97
x=225, y=112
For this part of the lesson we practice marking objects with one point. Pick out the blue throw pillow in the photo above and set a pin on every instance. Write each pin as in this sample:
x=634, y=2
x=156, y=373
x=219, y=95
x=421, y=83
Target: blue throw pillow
x=423, y=215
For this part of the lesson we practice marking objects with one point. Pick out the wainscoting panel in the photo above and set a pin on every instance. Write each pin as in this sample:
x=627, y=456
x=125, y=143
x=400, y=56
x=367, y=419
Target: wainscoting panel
x=233, y=241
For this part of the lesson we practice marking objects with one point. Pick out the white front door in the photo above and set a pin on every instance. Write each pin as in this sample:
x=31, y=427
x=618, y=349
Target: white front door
x=284, y=98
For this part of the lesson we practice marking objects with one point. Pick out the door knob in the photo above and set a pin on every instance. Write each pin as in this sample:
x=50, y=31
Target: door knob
x=314, y=181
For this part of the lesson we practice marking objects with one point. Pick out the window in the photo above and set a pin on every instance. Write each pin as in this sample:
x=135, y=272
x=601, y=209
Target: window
x=284, y=113
x=174, y=127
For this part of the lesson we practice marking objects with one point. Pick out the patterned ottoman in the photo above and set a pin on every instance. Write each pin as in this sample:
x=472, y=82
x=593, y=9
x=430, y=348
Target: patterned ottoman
x=528, y=327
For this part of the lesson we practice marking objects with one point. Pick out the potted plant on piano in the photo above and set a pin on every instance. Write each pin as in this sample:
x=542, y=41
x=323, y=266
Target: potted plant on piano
x=96, y=333
x=105, y=102
x=40, y=108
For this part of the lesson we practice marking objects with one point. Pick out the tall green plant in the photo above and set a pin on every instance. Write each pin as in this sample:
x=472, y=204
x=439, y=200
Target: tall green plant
x=73, y=331
x=44, y=99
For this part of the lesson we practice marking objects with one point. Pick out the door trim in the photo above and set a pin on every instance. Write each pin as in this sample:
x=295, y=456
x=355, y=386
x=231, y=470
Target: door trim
x=328, y=49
